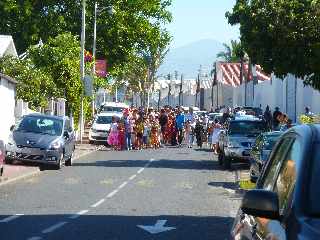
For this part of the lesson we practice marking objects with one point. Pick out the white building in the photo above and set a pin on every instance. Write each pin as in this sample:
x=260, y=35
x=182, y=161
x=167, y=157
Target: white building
x=7, y=90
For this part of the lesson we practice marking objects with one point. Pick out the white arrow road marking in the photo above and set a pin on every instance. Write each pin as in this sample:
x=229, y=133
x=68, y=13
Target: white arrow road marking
x=157, y=228
x=78, y=214
x=98, y=203
x=54, y=227
x=8, y=219
x=35, y=238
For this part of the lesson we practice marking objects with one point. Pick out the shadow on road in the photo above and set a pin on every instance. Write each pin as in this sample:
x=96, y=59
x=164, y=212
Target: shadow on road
x=116, y=227
x=227, y=185
x=162, y=163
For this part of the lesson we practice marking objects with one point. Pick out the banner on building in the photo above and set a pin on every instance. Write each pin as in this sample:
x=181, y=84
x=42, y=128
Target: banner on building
x=101, y=68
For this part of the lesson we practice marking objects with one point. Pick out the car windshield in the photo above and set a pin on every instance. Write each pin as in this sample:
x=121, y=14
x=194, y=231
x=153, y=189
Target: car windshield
x=270, y=141
x=41, y=125
x=104, y=120
x=246, y=127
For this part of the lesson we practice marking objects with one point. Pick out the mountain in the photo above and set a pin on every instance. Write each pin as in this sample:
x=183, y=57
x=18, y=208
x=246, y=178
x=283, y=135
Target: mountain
x=187, y=59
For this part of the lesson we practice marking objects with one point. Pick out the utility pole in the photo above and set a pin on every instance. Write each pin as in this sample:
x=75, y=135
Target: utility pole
x=83, y=36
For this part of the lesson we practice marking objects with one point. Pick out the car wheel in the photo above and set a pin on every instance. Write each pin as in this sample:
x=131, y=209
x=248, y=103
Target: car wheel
x=69, y=161
x=58, y=166
x=226, y=162
x=8, y=160
x=91, y=142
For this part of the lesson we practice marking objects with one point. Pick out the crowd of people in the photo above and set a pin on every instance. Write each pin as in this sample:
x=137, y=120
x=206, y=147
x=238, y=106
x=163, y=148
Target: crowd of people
x=147, y=128
x=140, y=128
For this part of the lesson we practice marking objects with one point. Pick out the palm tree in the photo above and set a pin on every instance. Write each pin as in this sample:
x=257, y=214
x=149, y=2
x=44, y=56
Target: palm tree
x=233, y=52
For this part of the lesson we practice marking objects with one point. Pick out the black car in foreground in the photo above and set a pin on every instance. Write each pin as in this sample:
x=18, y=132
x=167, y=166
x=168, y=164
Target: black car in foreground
x=260, y=152
x=285, y=203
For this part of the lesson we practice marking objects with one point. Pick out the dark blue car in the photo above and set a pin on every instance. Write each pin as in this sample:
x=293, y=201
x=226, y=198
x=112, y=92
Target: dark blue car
x=285, y=204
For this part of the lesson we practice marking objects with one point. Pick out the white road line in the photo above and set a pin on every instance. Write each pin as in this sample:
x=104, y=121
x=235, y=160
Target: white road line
x=8, y=219
x=35, y=238
x=98, y=203
x=110, y=195
x=141, y=170
x=54, y=227
x=123, y=185
x=132, y=177
x=78, y=214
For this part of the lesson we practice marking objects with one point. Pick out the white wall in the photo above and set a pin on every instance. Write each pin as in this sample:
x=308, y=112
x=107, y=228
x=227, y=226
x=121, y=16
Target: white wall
x=7, y=105
x=289, y=94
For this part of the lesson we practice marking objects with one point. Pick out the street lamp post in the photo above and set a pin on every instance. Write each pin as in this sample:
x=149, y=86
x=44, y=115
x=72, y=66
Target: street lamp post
x=94, y=48
x=83, y=36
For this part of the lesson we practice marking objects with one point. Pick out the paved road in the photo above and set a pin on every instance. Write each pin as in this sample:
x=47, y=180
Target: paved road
x=171, y=193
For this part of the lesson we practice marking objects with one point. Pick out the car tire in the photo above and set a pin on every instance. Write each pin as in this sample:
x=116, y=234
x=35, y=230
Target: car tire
x=8, y=161
x=226, y=162
x=91, y=142
x=69, y=161
x=58, y=166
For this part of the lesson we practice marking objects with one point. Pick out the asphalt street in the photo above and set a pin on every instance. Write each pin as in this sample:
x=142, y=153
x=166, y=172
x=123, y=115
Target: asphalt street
x=170, y=193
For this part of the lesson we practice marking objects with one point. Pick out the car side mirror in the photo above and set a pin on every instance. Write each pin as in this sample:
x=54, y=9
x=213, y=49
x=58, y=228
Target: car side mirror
x=261, y=203
x=66, y=134
x=11, y=128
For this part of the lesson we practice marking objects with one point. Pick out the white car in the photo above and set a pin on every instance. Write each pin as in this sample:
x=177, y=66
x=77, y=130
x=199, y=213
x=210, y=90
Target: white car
x=112, y=107
x=100, y=128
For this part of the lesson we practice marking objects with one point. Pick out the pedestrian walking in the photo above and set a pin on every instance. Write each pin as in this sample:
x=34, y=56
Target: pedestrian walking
x=215, y=135
x=113, y=135
x=163, y=121
x=199, y=131
x=180, y=121
x=267, y=117
x=275, y=118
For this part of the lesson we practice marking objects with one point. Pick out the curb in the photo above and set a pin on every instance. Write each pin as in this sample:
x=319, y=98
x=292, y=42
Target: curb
x=37, y=171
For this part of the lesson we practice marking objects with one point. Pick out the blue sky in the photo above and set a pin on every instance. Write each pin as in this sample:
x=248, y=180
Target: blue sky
x=203, y=19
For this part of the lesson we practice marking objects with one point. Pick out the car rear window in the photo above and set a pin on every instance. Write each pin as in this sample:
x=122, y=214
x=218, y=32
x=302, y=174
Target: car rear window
x=314, y=190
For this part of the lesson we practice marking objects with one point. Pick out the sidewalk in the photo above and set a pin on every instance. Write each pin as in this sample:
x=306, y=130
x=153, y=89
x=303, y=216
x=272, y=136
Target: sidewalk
x=19, y=171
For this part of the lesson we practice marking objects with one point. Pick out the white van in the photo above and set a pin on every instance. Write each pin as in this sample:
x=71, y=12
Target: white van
x=112, y=107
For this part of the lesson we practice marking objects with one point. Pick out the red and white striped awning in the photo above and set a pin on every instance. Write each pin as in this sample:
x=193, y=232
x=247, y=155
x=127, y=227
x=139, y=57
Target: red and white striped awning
x=230, y=74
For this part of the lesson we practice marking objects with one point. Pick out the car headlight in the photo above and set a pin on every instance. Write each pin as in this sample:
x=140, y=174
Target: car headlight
x=93, y=130
x=233, y=144
x=55, y=145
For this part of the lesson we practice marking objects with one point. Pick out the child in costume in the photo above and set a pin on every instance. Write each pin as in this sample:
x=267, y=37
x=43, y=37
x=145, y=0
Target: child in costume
x=113, y=135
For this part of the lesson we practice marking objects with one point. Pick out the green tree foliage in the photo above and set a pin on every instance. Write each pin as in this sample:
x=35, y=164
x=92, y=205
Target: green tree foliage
x=232, y=52
x=281, y=35
x=133, y=24
x=59, y=59
x=34, y=86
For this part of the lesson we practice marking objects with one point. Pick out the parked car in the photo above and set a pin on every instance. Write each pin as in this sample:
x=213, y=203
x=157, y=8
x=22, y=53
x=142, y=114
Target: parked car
x=44, y=139
x=260, y=152
x=112, y=107
x=2, y=156
x=100, y=128
x=236, y=141
x=285, y=203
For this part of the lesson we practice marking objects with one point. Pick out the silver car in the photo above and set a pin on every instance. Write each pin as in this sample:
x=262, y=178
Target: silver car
x=44, y=139
x=236, y=142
